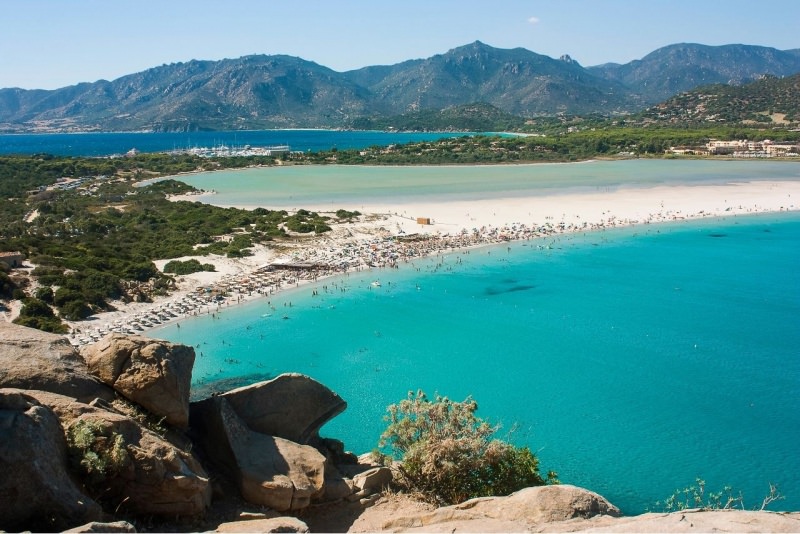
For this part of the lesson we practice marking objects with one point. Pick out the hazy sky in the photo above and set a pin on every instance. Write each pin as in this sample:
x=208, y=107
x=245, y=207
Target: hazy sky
x=47, y=44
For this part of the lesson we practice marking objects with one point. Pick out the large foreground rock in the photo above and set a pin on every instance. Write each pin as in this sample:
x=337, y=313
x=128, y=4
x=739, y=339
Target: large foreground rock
x=687, y=521
x=558, y=509
x=153, y=373
x=32, y=359
x=291, y=406
x=95, y=526
x=35, y=491
x=159, y=478
x=273, y=524
x=525, y=509
x=270, y=471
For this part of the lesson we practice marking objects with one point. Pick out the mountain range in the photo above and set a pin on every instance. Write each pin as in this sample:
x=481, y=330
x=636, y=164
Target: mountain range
x=279, y=91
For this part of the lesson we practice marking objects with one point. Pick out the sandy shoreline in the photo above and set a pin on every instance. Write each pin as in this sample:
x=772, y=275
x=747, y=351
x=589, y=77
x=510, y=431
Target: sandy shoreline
x=457, y=224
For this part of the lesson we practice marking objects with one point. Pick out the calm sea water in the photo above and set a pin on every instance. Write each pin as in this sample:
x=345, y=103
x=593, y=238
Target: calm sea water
x=632, y=360
x=106, y=144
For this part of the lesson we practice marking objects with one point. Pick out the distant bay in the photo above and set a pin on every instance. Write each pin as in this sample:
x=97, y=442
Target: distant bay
x=111, y=143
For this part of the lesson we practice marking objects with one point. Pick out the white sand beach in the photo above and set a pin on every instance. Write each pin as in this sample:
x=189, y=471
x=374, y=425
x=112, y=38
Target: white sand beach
x=363, y=244
x=623, y=206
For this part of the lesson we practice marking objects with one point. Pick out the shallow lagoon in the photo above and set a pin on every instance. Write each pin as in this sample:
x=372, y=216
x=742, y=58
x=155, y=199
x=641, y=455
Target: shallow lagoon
x=349, y=187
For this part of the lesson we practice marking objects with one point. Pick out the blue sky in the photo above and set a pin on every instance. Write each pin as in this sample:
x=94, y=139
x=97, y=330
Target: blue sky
x=47, y=44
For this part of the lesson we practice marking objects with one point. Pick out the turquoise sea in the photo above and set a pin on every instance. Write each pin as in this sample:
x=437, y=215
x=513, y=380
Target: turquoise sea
x=631, y=360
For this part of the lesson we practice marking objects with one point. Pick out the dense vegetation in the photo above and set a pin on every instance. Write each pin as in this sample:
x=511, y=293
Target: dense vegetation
x=187, y=267
x=573, y=140
x=94, y=237
x=769, y=101
x=478, y=117
x=448, y=454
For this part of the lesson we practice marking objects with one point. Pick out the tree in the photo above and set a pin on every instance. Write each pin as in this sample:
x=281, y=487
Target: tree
x=75, y=310
x=37, y=314
x=33, y=307
x=187, y=267
x=45, y=294
x=448, y=454
x=7, y=286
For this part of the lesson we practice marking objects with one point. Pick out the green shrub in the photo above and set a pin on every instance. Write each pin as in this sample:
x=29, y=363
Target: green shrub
x=18, y=294
x=187, y=267
x=33, y=307
x=75, y=310
x=65, y=295
x=38, y=314
x=304, y=222
x=344, y=214
x=96, y=451
x=48, y=275
x=7, y=286
x=695, y=496
x=45, y=324
x=45, y=294
x=239, y=253
x=448, y=454
x=141, y=272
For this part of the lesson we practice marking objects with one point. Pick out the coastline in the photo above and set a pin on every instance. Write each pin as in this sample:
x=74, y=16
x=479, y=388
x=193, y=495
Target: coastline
x=389, y=233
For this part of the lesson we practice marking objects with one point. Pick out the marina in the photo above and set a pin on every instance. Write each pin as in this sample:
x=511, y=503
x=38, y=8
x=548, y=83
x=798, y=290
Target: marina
x=224, y=151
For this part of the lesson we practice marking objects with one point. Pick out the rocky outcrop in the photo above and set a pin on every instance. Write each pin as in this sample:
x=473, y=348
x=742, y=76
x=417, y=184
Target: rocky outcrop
x=688, y=521
x=267, y=436
x=158, y=478
x=400, y=513
x=269, y=470
x=281, y=474
x=32, y=359
x=291, y=406
x=273, y=524
x=152, y=373
x=373, y=480
x=95, y=526
x=528, y=507
x=564, y=509
x=35, y=491
x=155, y=475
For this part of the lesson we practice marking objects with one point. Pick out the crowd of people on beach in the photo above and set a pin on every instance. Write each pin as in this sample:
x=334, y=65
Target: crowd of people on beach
x=328, y=256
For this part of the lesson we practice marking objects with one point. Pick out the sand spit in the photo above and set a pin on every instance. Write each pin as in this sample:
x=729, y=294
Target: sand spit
x=391, y=233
